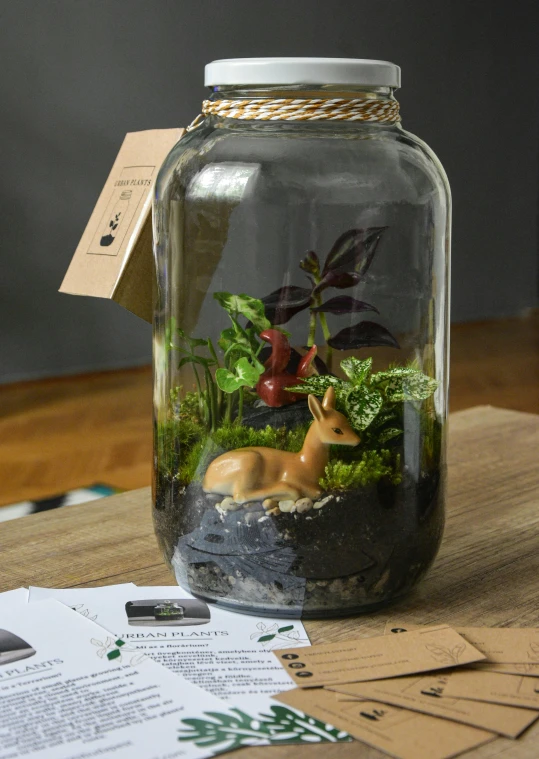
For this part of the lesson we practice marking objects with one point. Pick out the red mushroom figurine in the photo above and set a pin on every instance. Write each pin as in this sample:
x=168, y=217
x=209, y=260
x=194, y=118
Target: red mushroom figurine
x=271, y=385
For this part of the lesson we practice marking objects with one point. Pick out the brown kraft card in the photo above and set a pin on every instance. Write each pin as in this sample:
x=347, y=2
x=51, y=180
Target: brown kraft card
x=531, y=670
x=401, y=733
x=378, y=657
x=427, y=694
x=494, y=687
x=517, y=645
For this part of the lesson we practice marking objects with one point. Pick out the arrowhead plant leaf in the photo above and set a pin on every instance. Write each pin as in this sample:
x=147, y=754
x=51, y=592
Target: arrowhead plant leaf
x=251, y=308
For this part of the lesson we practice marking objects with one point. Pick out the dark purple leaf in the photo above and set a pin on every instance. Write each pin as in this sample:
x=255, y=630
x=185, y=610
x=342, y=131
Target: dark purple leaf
x=363, y=335
x=354, y=250
x=310, y=263
x=340, y=280
x=344, y=304
x=282, y=304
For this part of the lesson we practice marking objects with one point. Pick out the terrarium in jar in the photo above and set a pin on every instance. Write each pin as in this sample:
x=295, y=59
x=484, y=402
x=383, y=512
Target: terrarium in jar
x=300, y=342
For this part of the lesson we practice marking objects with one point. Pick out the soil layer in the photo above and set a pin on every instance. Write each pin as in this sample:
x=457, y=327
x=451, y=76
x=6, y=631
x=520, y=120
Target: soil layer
x=363, y=548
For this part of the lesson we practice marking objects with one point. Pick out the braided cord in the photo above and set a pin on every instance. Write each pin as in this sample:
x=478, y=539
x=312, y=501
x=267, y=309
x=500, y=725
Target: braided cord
x=316, y=109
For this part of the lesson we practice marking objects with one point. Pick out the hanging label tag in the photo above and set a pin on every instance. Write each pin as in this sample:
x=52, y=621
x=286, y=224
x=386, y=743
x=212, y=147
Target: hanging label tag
x=114, y=257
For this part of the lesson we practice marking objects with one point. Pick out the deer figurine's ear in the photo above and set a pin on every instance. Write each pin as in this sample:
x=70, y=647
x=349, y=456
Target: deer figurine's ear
x=329, y=399
x=315, y=406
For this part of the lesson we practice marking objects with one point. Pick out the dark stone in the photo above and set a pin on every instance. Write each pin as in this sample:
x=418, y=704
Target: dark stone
x=290, y=416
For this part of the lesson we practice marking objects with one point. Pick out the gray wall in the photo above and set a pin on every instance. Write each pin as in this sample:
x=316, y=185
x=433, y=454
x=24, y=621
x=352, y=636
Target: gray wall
x=77, y=75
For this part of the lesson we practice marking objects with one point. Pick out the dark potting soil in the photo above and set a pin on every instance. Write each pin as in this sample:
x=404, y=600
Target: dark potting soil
x=364, y=548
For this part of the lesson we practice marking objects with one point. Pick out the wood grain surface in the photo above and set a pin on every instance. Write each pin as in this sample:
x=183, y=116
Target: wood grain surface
x=487, y=571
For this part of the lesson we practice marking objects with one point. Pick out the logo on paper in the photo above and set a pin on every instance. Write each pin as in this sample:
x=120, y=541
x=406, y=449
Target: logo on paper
x=119, y=212
x=125, y=202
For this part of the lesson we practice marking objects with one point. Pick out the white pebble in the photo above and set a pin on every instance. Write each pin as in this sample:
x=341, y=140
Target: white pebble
x=287, y=506
x=319, y=504
x=304, y=504
x=228, y=504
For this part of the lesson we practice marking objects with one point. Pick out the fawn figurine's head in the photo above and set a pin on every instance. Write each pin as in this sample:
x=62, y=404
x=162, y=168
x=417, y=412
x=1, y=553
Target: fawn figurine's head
x=332, y=427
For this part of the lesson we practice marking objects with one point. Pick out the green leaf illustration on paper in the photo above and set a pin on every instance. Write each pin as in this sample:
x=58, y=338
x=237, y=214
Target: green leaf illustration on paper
x=226, y=732
x=266, y=637
x=285, y=629
x=114, y=654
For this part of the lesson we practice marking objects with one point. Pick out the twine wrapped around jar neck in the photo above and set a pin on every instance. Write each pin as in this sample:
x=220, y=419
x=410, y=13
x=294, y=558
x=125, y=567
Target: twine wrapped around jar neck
x=299, y=109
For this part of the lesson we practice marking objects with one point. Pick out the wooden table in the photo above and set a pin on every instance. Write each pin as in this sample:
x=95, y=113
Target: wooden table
x=487, y=572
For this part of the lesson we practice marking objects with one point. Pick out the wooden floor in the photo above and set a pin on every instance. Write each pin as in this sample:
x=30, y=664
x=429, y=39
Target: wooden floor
x=56, y=435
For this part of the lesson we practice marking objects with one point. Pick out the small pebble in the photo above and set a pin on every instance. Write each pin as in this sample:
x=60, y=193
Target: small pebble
x=319, y=504
x=269, y=503
x=228, y=504
x=287, y=506
x=274, y=512
x=304, y=504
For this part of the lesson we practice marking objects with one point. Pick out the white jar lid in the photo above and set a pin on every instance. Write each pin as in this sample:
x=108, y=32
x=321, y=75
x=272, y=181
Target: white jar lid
x=242, y=71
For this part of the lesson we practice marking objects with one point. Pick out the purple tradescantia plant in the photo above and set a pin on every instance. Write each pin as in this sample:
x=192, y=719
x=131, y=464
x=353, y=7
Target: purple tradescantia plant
x=346, y=264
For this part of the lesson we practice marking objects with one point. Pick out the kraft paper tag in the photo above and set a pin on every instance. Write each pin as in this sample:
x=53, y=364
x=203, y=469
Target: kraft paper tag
x=494, y=687
x=427, y=695
x=517, y=648
x=401, y=733
x=114, y=257
x=378, y=657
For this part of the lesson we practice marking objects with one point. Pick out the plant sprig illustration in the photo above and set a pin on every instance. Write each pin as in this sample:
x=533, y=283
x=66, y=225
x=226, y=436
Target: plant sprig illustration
x=231, y=731
x=116, y=649
x=273, y=636
x=446, y=655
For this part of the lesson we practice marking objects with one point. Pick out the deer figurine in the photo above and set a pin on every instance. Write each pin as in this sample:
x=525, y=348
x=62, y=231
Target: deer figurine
x=253, y=474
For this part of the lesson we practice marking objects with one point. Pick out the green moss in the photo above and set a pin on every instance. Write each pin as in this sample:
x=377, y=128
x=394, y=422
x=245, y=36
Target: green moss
x=370, y=468
x=189, y=461
x=183, y=443
x=190, y=407
x=235, y=436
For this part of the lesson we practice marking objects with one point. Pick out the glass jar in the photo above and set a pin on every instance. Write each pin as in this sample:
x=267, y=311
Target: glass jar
x=301, y=342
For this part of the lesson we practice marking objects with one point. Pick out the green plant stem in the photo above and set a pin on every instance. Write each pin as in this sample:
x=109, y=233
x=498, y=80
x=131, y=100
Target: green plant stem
x=212, y=351
x=201, y=407
x=312, y=330
x=240, y=405
x=325, y=329
x=219, y=398
x=228, y=409
x=327, y=335
x=212, y=399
